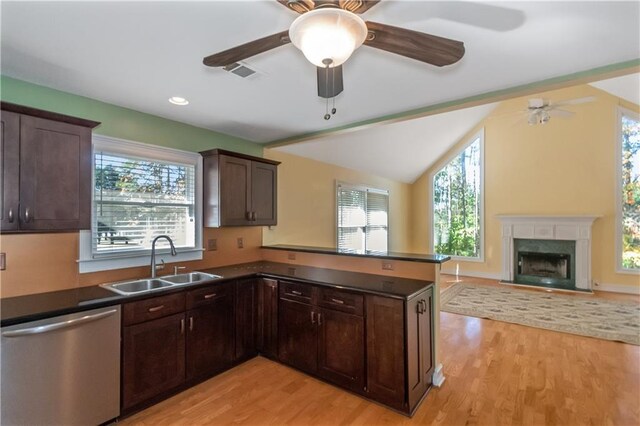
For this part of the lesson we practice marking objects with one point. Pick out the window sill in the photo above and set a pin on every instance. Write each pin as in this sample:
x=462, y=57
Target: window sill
x=108, y=264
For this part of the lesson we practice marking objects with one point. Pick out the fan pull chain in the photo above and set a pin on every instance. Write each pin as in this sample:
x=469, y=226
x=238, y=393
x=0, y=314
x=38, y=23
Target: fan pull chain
x=327, y=116
x=333, y=90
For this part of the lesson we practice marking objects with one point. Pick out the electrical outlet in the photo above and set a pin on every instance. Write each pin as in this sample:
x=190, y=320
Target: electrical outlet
x=3, y=261
x=240, y=242
x=387, y=266
x=291, y=256
x=212, y=244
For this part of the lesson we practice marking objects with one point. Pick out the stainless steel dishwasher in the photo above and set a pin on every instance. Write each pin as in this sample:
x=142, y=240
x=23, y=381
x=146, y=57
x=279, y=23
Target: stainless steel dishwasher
x=63, y=370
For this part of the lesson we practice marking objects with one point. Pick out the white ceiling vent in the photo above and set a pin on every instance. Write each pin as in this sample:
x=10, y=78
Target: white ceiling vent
x=240, y=70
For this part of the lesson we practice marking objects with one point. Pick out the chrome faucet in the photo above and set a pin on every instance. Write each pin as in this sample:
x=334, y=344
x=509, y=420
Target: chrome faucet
x=154, y=268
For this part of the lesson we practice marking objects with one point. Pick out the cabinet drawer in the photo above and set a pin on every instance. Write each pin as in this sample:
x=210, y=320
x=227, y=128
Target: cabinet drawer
x=341, y=300
x=157, y=307
x=209, y=294
x=296, y=291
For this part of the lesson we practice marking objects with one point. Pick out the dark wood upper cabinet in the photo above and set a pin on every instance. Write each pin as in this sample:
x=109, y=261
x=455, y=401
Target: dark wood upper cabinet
x=46, y=161
x=246, y=319
x=210, y=330
x=10, y=173
x=268, y=317
x=239, y=190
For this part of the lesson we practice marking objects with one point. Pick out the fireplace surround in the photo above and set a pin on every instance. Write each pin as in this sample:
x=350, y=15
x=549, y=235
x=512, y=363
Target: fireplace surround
x=548, y=251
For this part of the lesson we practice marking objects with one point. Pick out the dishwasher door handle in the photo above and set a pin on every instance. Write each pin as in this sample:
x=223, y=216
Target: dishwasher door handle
x=58, y=325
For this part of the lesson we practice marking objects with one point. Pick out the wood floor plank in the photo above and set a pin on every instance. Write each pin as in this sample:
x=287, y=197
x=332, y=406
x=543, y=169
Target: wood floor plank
x=496, y=374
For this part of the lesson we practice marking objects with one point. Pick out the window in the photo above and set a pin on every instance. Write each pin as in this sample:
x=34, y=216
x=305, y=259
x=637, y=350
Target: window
x=628, y=192
x=363, y=219
x=140, y=192
x=457, y=203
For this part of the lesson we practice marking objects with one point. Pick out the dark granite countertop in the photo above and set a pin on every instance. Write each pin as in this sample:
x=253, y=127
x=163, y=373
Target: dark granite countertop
x=16, y=310
x=391, y=255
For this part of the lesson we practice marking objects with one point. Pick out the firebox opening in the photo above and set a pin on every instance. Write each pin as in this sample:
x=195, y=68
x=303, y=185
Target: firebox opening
x=549, y=265
x=545, y=263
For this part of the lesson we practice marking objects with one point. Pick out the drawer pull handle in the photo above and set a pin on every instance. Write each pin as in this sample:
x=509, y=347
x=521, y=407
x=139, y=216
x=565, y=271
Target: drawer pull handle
x=156, y=308
x=209, y=296
x=182, y=326
x=190, y=323
x=313, y=317
x=297, y=293
x=10, y=215
x=338, y=301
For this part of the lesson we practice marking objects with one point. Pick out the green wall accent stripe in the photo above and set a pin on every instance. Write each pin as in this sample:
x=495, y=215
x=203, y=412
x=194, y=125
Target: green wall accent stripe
x=122, y=122
x=488, y=97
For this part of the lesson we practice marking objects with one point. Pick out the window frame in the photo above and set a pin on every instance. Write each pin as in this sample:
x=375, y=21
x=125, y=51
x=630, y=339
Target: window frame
x=90, y=263
x=621, y=112
x=480, y=258
x=365, y=188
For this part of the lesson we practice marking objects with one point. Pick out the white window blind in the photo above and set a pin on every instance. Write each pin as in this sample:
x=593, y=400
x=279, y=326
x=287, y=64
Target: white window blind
x=136, y=199
x=363, y=217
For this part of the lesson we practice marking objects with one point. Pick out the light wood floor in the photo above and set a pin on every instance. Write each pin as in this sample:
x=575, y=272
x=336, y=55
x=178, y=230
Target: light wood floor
x=496, y=374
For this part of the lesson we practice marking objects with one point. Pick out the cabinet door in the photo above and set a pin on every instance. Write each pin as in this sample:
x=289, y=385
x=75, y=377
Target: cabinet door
x=419, y=358
x=268, y=317
x=264, y=193
x=341, y=348
x=298, y=335
x=426, y=336
x=210, y=337
x=153, y=358
x=235, y=191
x=246, y=319
x=9, y=170
x=55, y=175
x=385, y=350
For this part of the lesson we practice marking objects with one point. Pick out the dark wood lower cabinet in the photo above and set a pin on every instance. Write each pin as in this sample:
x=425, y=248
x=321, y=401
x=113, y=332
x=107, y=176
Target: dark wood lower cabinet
x=341, y=348
x=419, y=353
x=298, y=335
x=153, y=358
x=246, y=315
x=268, y=317
x=210, y=337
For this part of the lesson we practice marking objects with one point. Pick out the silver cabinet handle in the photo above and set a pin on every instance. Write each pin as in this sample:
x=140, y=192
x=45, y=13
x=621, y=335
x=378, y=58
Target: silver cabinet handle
x=254, y=216
x=338, y=301
x=10, y=215
x=27, y=215
x=182, y=326
x=209, y=296
x=313, y=317
x=156, y=308
x=297, y=293
x=249, y=216
x=319, y=318
x=190, y=323
x=57, y=326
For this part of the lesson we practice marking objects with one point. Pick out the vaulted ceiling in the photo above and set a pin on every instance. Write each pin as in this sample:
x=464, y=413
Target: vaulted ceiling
x=138, y=54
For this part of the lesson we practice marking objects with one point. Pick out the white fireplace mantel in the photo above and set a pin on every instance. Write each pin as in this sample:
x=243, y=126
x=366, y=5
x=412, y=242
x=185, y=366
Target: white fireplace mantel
x=572, y=228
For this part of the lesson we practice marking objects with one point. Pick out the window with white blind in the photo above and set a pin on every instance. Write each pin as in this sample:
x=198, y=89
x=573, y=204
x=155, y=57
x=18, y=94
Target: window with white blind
x=140, y=192
x=363, y=219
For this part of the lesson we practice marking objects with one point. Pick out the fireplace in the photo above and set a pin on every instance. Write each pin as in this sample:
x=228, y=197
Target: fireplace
x=546, y=263
x=547, y=251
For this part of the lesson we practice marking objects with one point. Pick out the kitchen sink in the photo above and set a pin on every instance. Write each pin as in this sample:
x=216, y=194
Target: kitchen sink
x=189, y=278
x=138, y=286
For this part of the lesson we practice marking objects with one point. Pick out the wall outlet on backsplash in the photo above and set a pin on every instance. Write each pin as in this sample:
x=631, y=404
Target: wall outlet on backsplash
x=212, y=244
x=291, y=256
x=387, y=266
x=3, y=261
x=240, y=242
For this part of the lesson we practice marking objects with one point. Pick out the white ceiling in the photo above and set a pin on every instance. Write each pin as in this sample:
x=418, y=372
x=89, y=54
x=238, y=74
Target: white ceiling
x=400, y=151
x=626, y=87
x=138, y=54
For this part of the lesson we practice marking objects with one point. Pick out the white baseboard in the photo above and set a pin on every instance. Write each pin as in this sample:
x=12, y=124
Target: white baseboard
x=488, y=275
x=438, y=376
x=617, y=288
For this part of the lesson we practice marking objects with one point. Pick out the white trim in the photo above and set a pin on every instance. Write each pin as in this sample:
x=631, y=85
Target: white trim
x=438, y=376
x=620, y=112
x=617, y=288
x=87, y=263
x=475, y=274
x=480, y=259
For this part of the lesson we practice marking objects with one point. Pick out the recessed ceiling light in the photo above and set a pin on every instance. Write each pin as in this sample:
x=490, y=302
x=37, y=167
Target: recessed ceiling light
x=177, y=100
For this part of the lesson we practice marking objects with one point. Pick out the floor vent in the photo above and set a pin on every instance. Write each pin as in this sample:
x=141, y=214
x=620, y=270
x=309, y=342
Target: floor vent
x=239, y=70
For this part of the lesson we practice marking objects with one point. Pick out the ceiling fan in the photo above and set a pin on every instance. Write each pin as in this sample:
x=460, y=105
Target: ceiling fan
x=328, y=32
x=540, y=111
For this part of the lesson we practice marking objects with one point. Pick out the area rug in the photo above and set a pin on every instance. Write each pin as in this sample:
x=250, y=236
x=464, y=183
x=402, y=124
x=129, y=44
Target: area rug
x=604, y=319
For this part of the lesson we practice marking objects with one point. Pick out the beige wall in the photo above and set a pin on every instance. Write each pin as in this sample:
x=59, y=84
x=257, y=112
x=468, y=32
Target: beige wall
x=566, y=167
x=307, y=203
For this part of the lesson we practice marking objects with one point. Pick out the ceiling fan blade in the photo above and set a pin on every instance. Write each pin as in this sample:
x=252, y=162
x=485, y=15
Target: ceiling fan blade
x=575, y=101
x=358, y=6
x=423, y=47
x=298, y=6
x=560, y=113
x=247, y=50
x=330, y=82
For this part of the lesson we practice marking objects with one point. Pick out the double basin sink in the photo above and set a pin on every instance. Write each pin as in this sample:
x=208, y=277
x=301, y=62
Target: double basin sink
x=151, y=284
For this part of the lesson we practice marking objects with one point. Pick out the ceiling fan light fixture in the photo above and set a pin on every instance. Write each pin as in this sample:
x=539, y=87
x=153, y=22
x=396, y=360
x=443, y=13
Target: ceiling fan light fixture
x=328, y=33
